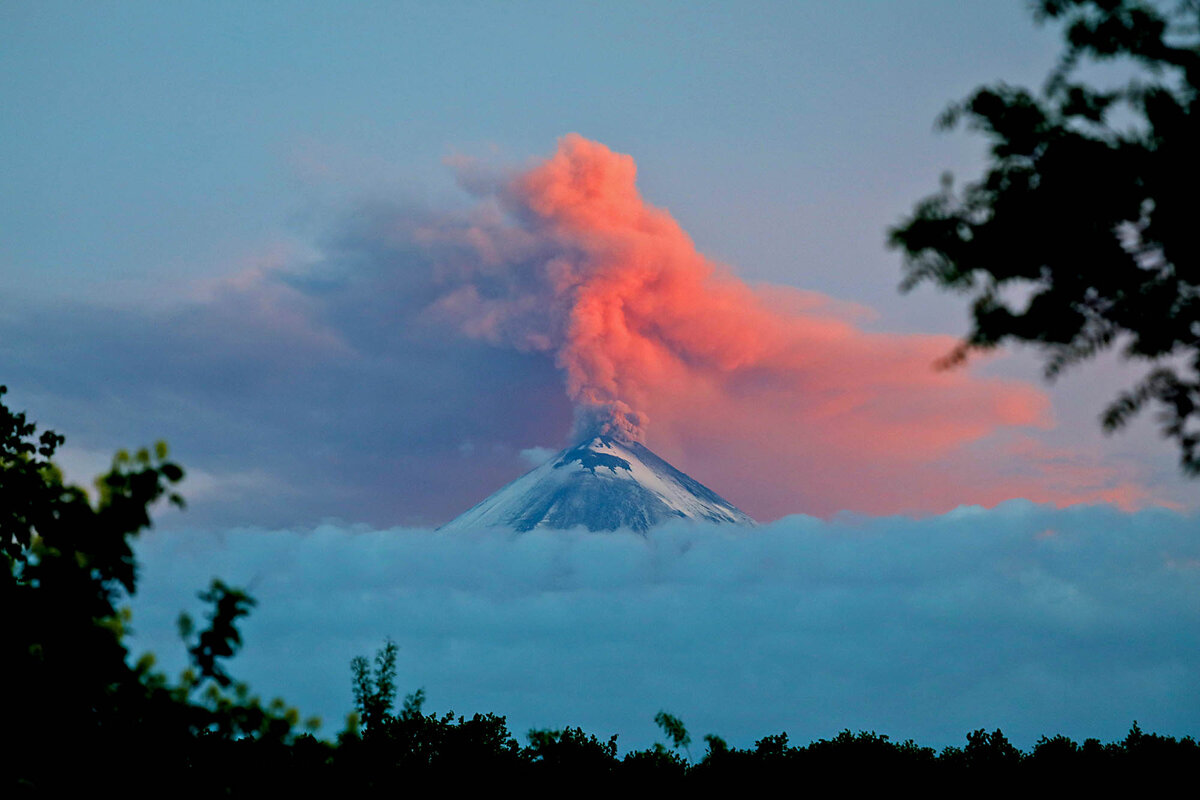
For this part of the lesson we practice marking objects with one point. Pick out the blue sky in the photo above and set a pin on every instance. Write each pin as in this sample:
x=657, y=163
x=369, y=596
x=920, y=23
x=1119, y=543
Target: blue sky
x=148, y=143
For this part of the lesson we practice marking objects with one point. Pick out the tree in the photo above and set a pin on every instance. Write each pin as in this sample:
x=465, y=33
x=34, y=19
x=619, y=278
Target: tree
x=673, y=727
x=1081, y=235
x=375, y=693
x=71, y=695
x=69, y=563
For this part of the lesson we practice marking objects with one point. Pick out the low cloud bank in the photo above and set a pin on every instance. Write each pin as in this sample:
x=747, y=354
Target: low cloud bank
x=1026, y=617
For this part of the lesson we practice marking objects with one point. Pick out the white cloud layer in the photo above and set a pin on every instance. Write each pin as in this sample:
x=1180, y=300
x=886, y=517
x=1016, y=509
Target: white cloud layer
x=1029, y=618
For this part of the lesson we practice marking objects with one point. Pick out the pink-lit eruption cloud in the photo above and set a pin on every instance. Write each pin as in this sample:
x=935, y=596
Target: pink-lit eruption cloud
x=771, y=393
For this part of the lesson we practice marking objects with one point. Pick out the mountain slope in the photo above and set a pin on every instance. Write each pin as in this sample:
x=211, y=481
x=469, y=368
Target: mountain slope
x=602, y=484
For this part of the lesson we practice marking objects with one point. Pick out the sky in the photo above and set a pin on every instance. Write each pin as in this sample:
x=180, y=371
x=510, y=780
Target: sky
x=359, y=265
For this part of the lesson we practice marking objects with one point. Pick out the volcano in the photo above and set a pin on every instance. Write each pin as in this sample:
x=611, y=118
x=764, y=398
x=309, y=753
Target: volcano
x=602, y=484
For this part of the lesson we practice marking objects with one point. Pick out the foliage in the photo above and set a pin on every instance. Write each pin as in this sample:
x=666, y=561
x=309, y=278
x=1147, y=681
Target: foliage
x=221, y=639
x=375, y=693
x=571, y=751
x=1081, y=235
x=445, y=743
x=985, y=753
x=70, y=564
x=673, y=727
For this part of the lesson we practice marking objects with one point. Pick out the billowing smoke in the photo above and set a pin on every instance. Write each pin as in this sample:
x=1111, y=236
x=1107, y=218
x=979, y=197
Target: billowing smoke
x=567, y=258
x=613, y=418
x=395, y=369
x=613, y=287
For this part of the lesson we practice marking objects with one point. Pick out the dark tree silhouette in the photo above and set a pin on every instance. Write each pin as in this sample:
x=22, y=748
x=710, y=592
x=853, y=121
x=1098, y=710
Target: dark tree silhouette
x=71, y=697
x=375, y=692
x=1081, y=235
x=673, y=727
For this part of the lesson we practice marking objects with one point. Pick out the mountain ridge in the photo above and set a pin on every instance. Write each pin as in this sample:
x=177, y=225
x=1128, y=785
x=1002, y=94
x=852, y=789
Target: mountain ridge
x=603, y=483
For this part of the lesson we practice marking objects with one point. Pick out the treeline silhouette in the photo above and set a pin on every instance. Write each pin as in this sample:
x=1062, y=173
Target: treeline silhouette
x=80, y=718
x=413, y=743
x=391, y=747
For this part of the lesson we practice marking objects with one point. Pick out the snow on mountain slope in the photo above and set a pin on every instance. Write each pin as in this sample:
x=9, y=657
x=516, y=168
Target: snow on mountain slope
x=602, y=484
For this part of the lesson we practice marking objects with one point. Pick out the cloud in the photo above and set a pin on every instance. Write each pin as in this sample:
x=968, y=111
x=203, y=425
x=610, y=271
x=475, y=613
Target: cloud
x=1034, y=619
x=325, y=379
x=644, y=325
x=395, y=370
x=536, y=456
x=81, y=467
x=773, y=394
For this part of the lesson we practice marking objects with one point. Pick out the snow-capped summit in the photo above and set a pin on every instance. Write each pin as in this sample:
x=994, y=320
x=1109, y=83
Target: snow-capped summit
x=602, y=483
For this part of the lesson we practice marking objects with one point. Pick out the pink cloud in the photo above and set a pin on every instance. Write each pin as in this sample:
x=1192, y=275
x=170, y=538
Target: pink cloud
x=772, y=394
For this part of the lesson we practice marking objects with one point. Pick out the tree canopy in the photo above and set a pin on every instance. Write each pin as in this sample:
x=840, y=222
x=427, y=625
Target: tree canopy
x=1081, y=234
x=77, y=709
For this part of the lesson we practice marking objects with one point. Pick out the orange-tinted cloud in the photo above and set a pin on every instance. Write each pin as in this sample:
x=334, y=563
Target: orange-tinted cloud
x=774, y=395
